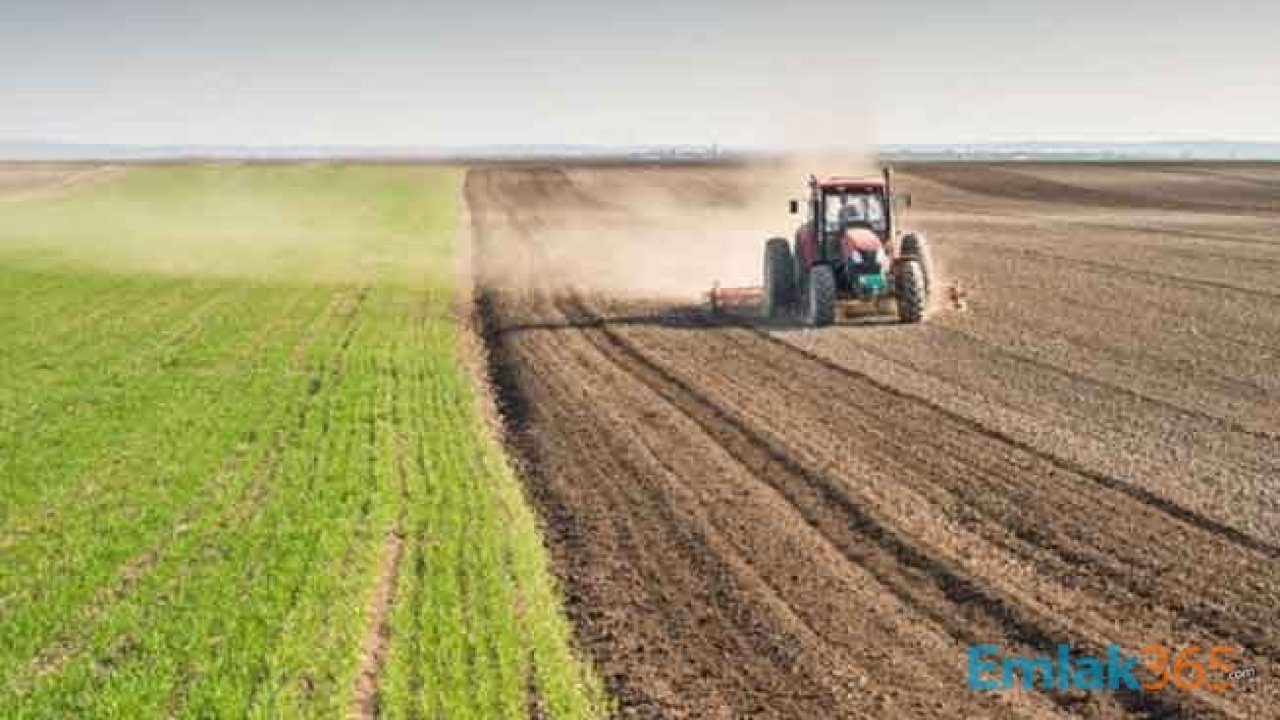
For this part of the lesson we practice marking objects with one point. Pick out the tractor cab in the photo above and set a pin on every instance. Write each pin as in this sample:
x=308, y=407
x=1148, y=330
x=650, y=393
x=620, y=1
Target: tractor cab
x=845, y=209
x=836, y=207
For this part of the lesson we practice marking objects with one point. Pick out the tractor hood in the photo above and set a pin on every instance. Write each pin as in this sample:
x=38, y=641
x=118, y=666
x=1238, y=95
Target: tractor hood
x=860, y=240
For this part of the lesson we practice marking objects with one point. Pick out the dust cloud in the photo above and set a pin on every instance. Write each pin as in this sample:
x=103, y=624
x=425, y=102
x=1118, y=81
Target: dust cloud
x=286, y=223
x=671, y=233
x=662, y=233
x=26, y=182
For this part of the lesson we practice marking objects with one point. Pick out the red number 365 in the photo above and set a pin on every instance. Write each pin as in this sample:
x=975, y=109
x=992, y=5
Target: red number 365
x=1184, y=669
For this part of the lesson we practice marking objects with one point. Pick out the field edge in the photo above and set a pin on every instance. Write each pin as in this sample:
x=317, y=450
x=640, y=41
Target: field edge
x=562, y=682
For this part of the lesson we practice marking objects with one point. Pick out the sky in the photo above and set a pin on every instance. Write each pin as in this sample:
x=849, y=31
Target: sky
x=735, y=72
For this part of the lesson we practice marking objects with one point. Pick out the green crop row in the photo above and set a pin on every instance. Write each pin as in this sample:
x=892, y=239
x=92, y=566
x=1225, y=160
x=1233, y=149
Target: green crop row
x=232, y=404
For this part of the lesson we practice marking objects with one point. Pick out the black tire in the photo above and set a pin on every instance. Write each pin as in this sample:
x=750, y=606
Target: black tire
x=914, y=246
x=779, y=278
x=908, y=278
x=820, y=297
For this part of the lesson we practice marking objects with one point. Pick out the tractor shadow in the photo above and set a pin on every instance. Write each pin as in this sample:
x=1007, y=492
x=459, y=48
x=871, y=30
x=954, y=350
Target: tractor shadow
x=675, y=317
x=686, y=317
x=851, y=319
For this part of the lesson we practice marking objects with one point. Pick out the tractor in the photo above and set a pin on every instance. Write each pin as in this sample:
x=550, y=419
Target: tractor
x=848, y=249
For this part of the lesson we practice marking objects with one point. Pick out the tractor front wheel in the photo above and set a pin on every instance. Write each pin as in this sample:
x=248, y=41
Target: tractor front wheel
x=820, y=296
x=779, y=278
x=910, y=289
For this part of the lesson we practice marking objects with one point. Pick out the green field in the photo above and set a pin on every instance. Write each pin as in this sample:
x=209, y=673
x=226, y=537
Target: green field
x=232, y=401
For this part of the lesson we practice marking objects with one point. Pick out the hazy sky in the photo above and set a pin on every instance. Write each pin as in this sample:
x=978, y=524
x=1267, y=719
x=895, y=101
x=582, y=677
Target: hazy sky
x=549, y=71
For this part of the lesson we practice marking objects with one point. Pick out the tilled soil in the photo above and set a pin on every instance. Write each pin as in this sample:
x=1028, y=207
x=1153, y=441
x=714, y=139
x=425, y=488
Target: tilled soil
x=761, y=521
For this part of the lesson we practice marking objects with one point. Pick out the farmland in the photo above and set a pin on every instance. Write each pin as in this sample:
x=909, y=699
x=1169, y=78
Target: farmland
x=252, y=466
x=769, y=521
x=244, y=468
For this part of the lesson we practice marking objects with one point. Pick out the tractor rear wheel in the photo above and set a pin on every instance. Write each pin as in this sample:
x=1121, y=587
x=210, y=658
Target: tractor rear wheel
x=779, y=278
x=820, y=296
x=916, y=247
x=910, y=288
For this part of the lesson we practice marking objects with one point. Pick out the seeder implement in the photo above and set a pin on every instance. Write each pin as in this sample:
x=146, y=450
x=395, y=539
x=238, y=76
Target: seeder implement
x=734, y=298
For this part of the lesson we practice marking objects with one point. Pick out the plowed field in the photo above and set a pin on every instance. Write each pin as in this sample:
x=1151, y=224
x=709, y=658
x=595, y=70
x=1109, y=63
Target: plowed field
x=765, y=521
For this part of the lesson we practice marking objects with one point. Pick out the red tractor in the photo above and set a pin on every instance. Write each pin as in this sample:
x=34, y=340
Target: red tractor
x=847, y=249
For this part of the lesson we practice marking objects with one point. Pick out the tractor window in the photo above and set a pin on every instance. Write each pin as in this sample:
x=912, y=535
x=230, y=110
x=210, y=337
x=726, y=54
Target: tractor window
x=857, y=207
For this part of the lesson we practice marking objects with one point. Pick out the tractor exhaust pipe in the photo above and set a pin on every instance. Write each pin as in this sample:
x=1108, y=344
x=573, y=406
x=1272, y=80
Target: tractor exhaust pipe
x=890, y=200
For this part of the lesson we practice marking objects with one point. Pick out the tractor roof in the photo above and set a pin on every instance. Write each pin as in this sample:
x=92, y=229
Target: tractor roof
x=851, y=183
